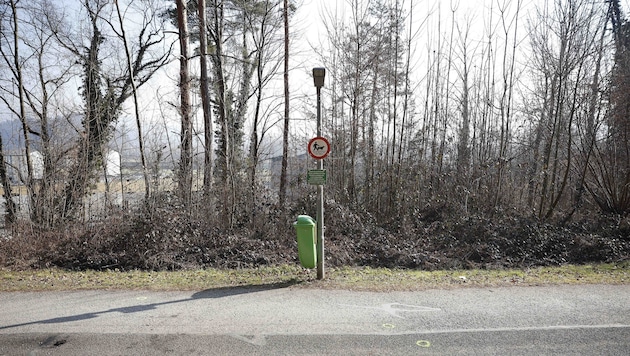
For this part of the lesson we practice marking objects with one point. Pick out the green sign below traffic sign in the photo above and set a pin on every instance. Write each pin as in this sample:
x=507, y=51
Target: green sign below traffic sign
x=316, y=176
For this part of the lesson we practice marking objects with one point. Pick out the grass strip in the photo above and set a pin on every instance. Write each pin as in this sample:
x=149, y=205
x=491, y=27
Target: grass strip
x=348, y=278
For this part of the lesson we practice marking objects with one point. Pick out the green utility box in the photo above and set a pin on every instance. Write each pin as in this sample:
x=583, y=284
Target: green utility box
x=306, y=229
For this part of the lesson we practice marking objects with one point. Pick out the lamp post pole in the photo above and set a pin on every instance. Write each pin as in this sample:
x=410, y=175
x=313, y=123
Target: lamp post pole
x=318, y=76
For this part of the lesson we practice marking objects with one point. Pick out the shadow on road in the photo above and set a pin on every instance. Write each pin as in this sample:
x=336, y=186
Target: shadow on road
x=213, y=293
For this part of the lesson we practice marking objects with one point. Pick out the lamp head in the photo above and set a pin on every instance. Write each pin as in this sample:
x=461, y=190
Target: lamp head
x=318, y=76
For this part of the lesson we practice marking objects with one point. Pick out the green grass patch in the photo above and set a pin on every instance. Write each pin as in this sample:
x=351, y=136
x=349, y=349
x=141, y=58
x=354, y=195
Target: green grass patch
x=349, y=278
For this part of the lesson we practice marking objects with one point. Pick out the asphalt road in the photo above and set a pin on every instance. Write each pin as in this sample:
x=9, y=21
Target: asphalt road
x=292, y=320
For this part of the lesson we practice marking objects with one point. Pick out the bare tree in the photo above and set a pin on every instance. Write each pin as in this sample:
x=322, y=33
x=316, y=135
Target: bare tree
x=186, y=154
x=45, y=70
x=205, y=100
x=134, y=91
x=104, y=90
x=15, y=64
x=239, y=34
x=463, y=145
x=372, y=103
x=562, y=44
x=285, y=130
x=223, y=152
x=264, y=23
x=609, y=179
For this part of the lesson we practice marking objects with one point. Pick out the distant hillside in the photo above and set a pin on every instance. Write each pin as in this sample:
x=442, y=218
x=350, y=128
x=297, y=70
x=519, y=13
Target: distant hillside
x=62, y=131
x=12, y=138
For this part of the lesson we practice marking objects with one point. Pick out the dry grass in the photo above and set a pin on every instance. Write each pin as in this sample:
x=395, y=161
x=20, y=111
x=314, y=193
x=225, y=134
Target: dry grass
x=347, y=278
x=409, y=280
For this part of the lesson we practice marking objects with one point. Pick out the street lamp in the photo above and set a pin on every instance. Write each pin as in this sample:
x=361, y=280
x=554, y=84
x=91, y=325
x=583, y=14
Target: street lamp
x=318, y=78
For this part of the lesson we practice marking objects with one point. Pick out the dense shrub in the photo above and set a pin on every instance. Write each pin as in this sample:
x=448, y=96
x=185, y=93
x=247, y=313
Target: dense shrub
x=166, y=238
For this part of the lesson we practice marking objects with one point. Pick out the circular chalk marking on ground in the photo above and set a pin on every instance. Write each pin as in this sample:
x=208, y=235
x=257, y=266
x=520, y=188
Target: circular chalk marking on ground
x=389, y=326
x=423, y=343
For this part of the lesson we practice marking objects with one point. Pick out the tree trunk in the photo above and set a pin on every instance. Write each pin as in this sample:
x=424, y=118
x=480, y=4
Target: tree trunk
x=22, y=103
x=219, y=80
x=285, y=131
x=145, y=172
x=9, y=205
x=205, y=102
x=185, y=162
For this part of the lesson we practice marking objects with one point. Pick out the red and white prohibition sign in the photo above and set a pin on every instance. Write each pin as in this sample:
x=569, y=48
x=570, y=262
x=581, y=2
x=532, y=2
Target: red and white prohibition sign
x=318, y=147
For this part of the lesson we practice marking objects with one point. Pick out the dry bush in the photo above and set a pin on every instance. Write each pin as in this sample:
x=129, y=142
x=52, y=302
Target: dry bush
x=164, y=237
x=26, y=246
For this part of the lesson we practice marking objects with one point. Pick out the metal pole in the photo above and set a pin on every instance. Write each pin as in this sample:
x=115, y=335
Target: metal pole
x=320, y=197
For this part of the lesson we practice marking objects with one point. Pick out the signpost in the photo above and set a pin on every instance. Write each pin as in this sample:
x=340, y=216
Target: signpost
x=319, y=148
x=316, y=177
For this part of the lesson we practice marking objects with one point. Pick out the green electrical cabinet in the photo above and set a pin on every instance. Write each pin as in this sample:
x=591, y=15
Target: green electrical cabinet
x=306, y=229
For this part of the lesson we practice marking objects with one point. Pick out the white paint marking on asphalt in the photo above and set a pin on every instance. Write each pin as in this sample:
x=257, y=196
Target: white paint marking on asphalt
x=258, y=340
x=394, y=308
x=524, y=328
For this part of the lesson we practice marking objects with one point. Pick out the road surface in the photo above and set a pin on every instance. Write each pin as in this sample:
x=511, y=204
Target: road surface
x=293, y=320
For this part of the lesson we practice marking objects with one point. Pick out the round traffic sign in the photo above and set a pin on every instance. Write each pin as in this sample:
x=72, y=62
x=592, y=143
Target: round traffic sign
x=318, y=147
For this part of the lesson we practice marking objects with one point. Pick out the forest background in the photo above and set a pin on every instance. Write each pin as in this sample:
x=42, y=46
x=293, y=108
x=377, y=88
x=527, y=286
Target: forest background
x=155, y=134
